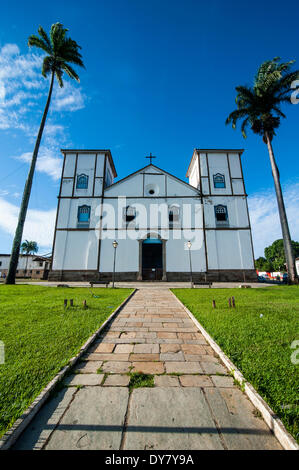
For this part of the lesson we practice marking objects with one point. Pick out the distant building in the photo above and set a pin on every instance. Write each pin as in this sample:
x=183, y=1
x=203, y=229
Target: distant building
x=160, y=226
x=297, y=265
x=29, y=266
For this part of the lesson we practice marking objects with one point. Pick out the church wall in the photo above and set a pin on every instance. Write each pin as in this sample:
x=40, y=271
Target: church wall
x=69, y=165
x=68, y=212
x=127, y=254
x=177, y=256
x=229, y=249
x=236, y=208
x=76, y=250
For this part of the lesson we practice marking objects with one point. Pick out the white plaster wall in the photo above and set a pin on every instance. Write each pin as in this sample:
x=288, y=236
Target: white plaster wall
x=236, y=207
x=176, y=188
x=67, y=187
x=177, y=255
x=203, y=165
x=76, y=250
x=218, y=164
x=127, y=254
x=86, y=165
x=69, y=166
x=194, y=174
x=5, y=260
x=132, y=186
x=205, y=185
x=153, y=212
x=100, y=164
x=229, y=249
x=155, y=182
x=234, y=163
x=68, y=212
x=98, y=187
x=238, y=186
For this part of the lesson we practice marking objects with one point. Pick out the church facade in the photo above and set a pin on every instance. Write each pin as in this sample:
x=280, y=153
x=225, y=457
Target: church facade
x=151, y=225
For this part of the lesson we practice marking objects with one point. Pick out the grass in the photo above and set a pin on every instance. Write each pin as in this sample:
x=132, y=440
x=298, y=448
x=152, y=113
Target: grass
x=260, y=346
x=138, y=379
x=40, y=337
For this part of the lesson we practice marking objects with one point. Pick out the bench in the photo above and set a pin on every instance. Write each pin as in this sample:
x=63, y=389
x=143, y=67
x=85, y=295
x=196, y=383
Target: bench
x=92, y=283
x=203, y=283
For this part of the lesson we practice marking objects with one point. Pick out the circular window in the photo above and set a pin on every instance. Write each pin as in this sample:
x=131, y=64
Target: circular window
x=151, y=190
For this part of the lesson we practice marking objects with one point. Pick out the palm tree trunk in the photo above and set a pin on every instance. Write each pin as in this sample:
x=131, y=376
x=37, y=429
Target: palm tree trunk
x=11, y=276
x=288, y=250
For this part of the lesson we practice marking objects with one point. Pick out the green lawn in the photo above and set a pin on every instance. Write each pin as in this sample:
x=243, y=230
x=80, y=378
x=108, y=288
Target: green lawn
x=258, y=346
x=40, y=336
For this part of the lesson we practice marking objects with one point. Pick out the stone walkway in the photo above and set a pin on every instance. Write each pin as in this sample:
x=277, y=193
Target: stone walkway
x=194, y=403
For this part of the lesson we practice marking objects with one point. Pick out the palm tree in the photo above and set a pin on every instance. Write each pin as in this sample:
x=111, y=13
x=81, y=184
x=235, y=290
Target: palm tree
x=28, y=248
x=61, y=51
x=259, y=107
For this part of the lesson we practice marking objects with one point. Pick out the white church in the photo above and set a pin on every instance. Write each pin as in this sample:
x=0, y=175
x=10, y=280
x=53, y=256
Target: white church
x=151, y=224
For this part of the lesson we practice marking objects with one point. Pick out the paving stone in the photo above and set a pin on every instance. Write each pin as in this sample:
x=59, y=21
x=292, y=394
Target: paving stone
x=165, y=341
x=93, y=421
x=147, y=335
x=124, y=348
x=181, y=420
x=179, y=356
x=166, y=335
x=193, y=349
x=116, y=367
x=233, y=411
x=112, y=334
x=166, y=381
x=88, y=367
x=213, y=368
x=196, y=381
x=84, y=379
x=116, y=380
x=183, y=367
x=148, y=367
x=170, y=348
x=128, y=334
x=104, y=348
x=39, y=430
x=201, y=357
x=107, y=357
x=144, y=357
x=222, y=381
x=146, y=349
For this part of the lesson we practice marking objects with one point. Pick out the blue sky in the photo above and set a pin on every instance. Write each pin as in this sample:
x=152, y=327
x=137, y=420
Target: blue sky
x=160, y=78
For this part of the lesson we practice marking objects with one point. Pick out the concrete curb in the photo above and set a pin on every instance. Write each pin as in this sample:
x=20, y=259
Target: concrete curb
x=10, y=437
x=271, y=419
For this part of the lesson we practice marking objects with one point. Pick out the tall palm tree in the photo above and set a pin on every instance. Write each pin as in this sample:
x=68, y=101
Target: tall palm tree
x=259, y=107
x=61, y=51
x=28, y=247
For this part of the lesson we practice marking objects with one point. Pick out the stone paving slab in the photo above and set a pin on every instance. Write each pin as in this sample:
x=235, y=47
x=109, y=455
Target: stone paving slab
x=181, y=420
x=94, y=421
x=194, y=403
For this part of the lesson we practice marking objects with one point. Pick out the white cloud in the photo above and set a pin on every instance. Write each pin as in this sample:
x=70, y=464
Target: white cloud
x=264, y=216
x=39, y=225
x=47, y=162
x=68, y=98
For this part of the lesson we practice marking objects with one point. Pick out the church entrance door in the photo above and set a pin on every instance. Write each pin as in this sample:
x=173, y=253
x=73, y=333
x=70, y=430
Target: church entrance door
x=152, y=260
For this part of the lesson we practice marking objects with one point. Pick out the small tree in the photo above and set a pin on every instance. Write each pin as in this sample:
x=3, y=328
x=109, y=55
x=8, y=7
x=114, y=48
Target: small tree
x=275, y=254
x=28, y=247
x=261, y=264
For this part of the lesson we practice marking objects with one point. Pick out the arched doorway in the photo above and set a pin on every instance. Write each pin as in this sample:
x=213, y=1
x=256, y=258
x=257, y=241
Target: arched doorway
x=152, y=259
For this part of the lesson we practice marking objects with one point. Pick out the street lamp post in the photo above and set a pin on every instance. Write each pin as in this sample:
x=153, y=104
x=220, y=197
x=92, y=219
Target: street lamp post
x=115, y=245
x=189, y=244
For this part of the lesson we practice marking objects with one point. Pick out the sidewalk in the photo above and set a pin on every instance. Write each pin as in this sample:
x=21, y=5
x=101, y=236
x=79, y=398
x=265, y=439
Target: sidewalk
x=193, y=405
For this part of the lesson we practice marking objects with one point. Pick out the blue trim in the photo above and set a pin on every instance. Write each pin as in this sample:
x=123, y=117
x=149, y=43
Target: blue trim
x=152, y=241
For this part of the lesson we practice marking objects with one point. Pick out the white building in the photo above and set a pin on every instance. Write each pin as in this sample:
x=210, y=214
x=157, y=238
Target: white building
x=152, y=215
x=32, y=266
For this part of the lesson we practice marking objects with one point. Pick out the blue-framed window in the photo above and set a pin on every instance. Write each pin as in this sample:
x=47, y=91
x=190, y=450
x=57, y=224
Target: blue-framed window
x=221, y=214
x=219, y=180
x=82, y=181
x=83, y=216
